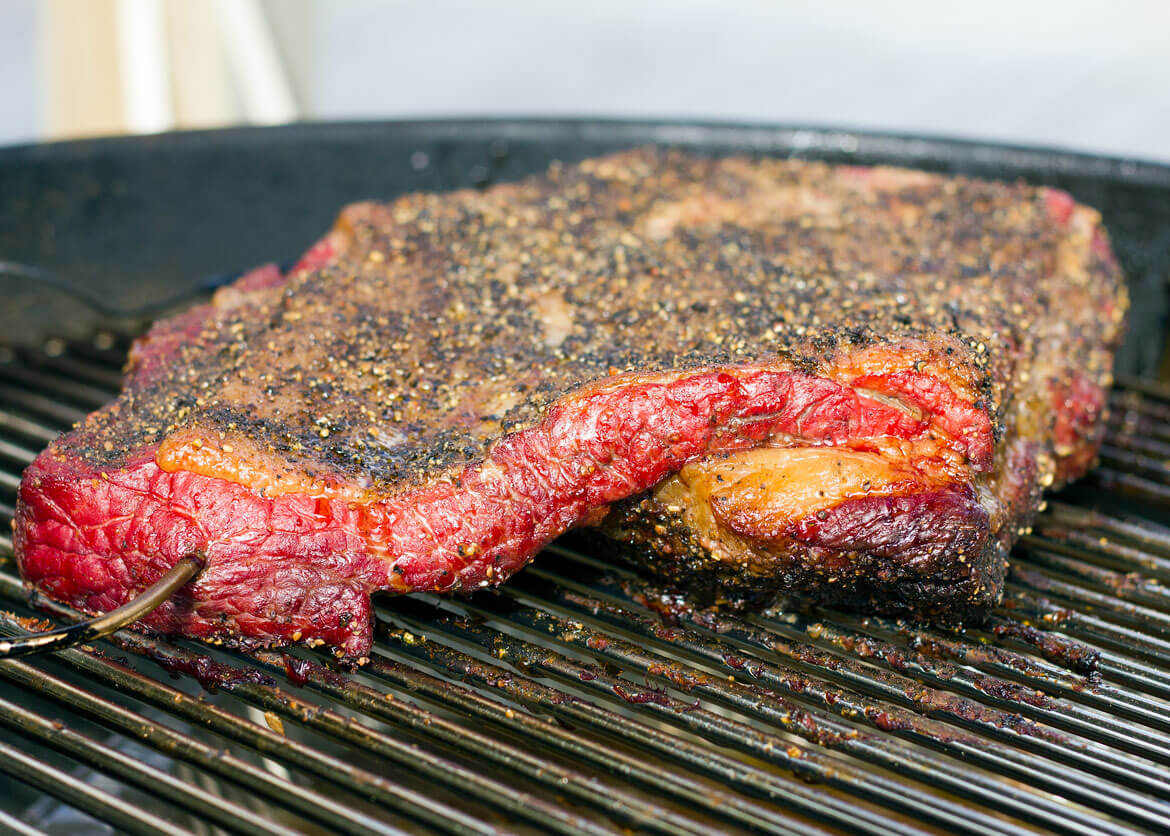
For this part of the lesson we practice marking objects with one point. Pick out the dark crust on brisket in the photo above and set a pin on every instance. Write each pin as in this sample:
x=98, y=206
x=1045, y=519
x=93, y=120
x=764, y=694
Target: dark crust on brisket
x=390, y=361
x=929, y=555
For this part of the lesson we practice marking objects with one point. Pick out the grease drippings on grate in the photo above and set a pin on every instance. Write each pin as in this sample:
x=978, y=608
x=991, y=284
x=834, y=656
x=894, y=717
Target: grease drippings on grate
x=573, y=701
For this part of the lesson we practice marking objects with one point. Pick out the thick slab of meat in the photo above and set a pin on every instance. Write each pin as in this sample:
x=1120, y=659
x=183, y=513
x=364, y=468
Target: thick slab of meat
x=763, y=377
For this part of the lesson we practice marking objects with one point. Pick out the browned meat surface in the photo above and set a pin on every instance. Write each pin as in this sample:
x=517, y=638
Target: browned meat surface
x=763, y=377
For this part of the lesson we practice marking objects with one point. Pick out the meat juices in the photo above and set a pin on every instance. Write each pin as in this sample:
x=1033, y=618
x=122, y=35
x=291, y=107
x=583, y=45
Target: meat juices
x=761, y=378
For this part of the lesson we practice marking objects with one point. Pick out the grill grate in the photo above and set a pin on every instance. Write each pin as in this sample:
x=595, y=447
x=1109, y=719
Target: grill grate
x=568, y=702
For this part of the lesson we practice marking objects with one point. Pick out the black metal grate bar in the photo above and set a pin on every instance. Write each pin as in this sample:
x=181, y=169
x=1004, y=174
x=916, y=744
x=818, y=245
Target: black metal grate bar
x=785, y=684
x=646, y=815
x=571, y=702
x=12, y=825
x=260, y=693
x=226, y=814
x=38, y=406
x=126, y=817
x=811, y=763
x=271, y=743
x=311, y=804
x=578, y=712
x=58, y=386
x=795, y=685
x=596, y=752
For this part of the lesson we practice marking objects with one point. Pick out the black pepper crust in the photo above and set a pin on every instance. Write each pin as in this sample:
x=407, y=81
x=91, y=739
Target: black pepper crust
x=447, y=321
x=934, y=558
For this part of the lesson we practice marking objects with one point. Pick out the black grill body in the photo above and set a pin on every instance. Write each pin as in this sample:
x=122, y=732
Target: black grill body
x=566, y=702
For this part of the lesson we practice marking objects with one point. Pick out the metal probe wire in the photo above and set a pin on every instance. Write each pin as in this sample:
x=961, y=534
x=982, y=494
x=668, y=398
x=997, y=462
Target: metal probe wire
x=65, y=637
x=188, y=567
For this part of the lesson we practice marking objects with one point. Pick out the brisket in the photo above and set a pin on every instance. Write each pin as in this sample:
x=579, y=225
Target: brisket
x=760, y=378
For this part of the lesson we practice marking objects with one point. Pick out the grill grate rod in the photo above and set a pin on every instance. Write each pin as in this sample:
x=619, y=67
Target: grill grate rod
x=15, y=827
x=1134, y=590
x=266, y=696
x=644, y=816
x=1030, y=572
x=790, y=641
x=126, y=640
x=315, y=806
x=852, y=815
x=1149, y=451
x=1146, y=560
x=1115, y=481
x=1030, y=700
x=84, y=394
x=226, y=814
x=106, y=377
x=987, y=650
x=37, y=406
x=1134, y=461
x=1134, y=397
x=1134, y=455
x=1155, y=389
x=768, y=681
x=910, y=797
x=126, y=817
x=1034, y=593
x=14, y=423
x=600, y=754
x=1132, y=672
x=271, y=744
x=17, y=453
x=796, y=683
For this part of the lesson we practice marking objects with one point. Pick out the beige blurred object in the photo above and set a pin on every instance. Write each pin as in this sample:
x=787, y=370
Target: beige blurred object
x=202, y=85
x=144, y=66
x=84, y=94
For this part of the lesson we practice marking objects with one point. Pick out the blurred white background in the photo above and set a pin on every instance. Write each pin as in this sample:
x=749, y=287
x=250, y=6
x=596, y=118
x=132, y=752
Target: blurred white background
x=1092, y=76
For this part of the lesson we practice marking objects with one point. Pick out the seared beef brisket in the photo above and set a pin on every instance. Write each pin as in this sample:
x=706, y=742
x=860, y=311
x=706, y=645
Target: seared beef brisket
x=763, y=377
